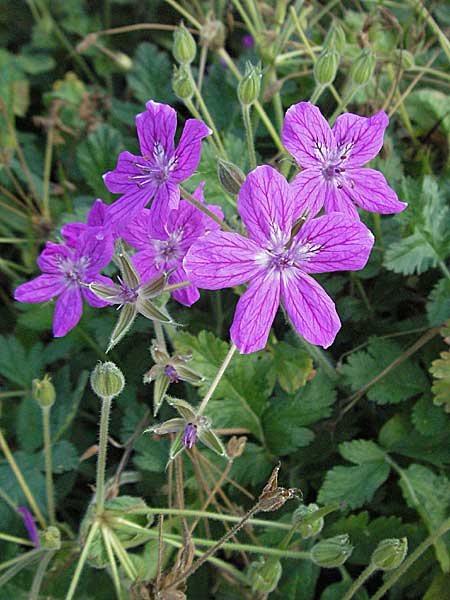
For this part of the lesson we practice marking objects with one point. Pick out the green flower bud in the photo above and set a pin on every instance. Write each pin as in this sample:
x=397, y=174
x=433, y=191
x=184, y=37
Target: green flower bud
x=389, y=554
x=184, y=48
x=362, y=68
x=325, y=67
x=332, y=552
x=265, y=575
x=250, y=85
x=335, y=38
x=212, y=34
x=43, y=392
x=308, y=526
x=50, y=538
x=405, y=58
x=107, y=380
x=182, y=83
x=123, y=61
x=230, y=176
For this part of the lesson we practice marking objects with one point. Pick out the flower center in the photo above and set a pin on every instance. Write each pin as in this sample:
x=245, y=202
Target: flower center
x=168, y=251
x=156, y=168
x=73, y=272
x=127, y=294
x=284, y=253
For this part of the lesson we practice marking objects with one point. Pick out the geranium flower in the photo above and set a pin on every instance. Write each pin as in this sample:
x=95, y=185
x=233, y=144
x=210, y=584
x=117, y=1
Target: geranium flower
x=96, y=218
x=276, y=260
x=163, y=245
x=332, y=161
x=157, y=173
x=65, y=270
x=30, y=525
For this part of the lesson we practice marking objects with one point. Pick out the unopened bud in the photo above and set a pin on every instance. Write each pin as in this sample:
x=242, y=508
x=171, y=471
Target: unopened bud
x=123, y=61
x=182, y=83
x=307, y=525
x=325, y=67
x=50, y=538
x=107, y=380
x=332, y=552
x=362, y=69
x=184, y=48
x=43, y=392
x=335, y=38
x=265, y=575
x=405, y=58
x=230, y=176
x=212, y=34
x=250, y=85
x=389, y=554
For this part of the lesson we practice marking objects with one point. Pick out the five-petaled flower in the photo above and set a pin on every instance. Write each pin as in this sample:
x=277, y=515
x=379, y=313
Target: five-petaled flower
x=157, y=173
x=276, y=259
x=66, y=273
x=96, y=217
x=162, y=246
x=332, y=161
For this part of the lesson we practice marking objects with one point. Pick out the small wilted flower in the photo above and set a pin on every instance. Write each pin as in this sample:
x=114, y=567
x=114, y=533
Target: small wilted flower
x=273, y=496
x=189, y=426
x=50, y=538
x=212, y=33
x=335, y=38
x=44, y=391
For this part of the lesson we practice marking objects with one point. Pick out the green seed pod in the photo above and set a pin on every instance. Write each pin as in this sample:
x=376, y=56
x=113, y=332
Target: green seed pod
x=362, y=68
x=184, y=48
x=265, y=575
x=308, y=528
x=332, y=552
x=50, y=538
x=107, y=380
x=325, y=67
x=390, y=553
x=230, y=176
x=43, y=392
x=182, y=83
x=250, y=85
x=405, y=58
x=335, y=38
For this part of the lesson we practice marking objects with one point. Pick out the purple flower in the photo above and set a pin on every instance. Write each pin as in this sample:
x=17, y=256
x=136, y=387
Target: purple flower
x=30, y=525
x=276, y=260
x=247, y=41
x=96, y=218
x=64, y=271
x=189, y=436
x=157, y=173
x=163, y=246
x=332, y=161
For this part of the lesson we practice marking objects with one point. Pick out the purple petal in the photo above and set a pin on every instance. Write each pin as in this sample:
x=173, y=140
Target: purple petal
x=189, y=436
x=30, y=525
x=137, y=233
x=92, y=298
x=369, y=189
x=123, y=210
x=118, y=181
x=310, y=309
x=309, y=190
x=337, y=201
x=255, y=313
x=49, y=261
x=335, y=243
x=266, y=204
x=187, y=295
x=209, y=223
x=42, y=288
x=360, y=138
x=222, y=259
x=96, y=216
x=189, y=149
x=145, y=263
x=307, y=135
x=157, y=125
x=166, y=199
x=72, y=232
x=68, y=311
x=95, y=249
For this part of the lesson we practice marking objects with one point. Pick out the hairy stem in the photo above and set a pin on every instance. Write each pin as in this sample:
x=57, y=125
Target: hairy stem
x=249, y=134
x=48, y=464
x=217, y=378
x=185, y=194
x=101, y=460
x=359, y=582
x=81, y=561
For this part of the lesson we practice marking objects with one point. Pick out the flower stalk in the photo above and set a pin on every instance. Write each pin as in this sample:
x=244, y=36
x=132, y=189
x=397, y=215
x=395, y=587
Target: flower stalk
x=48, y=464
x=101, y=460
x=220, y=373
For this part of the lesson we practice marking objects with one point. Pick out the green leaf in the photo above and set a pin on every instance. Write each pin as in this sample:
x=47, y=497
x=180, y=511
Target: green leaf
x=151, y=75
x=440, y=369
x=291, y=366
x=413, y=254
x=29, y=465
x=338, y=590
x=438, y=305
x=430, y=420
x=439, y=587
x=299, y=580
x=400, y=383
x=64, y=457
x=97, y=154
x=67, y=401
x=19, y=365
x=253, y=467
x=361, y=451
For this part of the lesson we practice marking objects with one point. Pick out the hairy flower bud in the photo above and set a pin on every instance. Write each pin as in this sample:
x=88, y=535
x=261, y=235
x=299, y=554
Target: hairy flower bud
x=307, y=525
x=182, y=83
x=107, y=380
x=50, y=538
x=43, y=392
x=184, y=48
x=390, y=553
x=250, y=85
x=362, y=68
x=332, y=552
x=264, y=575
x=335, y=38
x=230, y=176
x=212, y=34
x=325, y=67
x=405, y=58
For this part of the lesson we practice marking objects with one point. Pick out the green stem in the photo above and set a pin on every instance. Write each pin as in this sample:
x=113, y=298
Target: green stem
x=187, y=15
x=47, y=170
x=245, y=18
x=359, y=582
x=39, y=575
x=317, y=93
x=444, y=269
x=17, y=540
x=194, y=112
x=185, y=194
x=82, y=560
x=201, y=67
x=48, y=464
x=421, y=548
x=159, y=332
x=249, y=134
x=13, y=394
x=112, y=562
x=443, y=39
x=101, y=460
x=217, y=378
x=176, y=286
x=25, y=558
x=122, y=555
x=343, y=103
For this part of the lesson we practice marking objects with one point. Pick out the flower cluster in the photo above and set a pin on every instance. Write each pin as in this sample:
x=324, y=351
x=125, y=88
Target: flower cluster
x=179, y=244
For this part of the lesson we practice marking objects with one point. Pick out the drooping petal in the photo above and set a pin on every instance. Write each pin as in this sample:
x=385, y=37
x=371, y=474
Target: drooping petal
x=144, y=262
x=266, y=204
x=72, y=233
x=137, y=233
x=187, y=295
x=92, y=298
x=96, y=216
x=222, y=259
x=156, y=126
x=333, y=243
x=307, y=135
x=310, y=309
x=359, y=138
x=337, y=201
x=40, y=289
x=369, y=189
x=166, y=199
x=50, y=259
x=255, y=313
x=187, y=154
x=309, y=190
x=119, y=180
x=68, y=311
x=123, y=210
x=95, y=249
